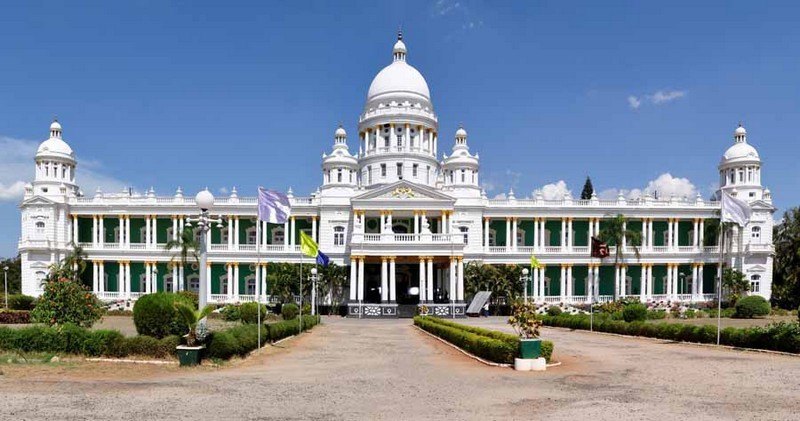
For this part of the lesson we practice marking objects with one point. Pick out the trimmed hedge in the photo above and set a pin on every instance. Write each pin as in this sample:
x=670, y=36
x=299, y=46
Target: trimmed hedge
x=290, y=311
x=752, y=306
x=488, y=344
x=634, y=312
x=71, y=339
x=248, y=312
x=155, y=314
x=20, y=302
x=240, y=340
x=12, y=317
x=776, y=337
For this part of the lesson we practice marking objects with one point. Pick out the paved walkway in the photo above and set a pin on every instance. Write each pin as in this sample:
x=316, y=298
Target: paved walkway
x=371, y=369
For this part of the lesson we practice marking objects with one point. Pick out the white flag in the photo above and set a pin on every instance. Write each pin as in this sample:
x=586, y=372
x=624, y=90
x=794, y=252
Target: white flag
x=735, y=210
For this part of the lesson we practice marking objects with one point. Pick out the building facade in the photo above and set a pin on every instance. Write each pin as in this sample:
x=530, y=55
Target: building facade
x=404, y=217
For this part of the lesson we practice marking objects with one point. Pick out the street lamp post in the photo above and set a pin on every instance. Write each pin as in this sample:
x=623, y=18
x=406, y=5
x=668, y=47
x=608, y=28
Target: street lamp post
x=313, y=291
x=205, y=201
x=5, y=284
x=524, y=279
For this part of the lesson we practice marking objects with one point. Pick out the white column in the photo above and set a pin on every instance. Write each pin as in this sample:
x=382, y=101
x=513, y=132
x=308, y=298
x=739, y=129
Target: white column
x=535, y=278
x=508, y=233
x=392, y=281
x=182, y=278
x=563, y=234
x=392, y=137
x=101, y=236
x=591, y=231
x=360, y=287
x=563, y=282
x=536, y=242
x=175, y=279
x=416, y=222
x=230, y=232
x=460, y=280
x=147, y=231
x=128, y=231
x=236, y=280
x=353, y=278
x=384, y=281
x=423, y=288
x=121, y=278
x=452, y=290
x=486, y=233
x=623, y=281
x=293, y=240
x=314, y=228
x=429, y=279
x=74, y=236
x=696, y=234
x=700, y=280
x=128, y=279
x=235, y=232
x=514, y=233
x=264, y=280
x=675, y=280
x=286, y=234
x=570, y=283
x=147, y=277
x=624, y=237
x=616, y=279
x=174, y=228
x=229, y=281
x=643, y=284
x=95, y=271
x=570, y=235
x=669, y=281
x=154, y=231
x=694, y=280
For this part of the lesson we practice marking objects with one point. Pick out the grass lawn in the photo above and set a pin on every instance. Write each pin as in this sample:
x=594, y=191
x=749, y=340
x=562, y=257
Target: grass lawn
x=125, y=325
x=728, y=322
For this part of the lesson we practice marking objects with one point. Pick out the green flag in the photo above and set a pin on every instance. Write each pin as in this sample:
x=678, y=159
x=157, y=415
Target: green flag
x=534, y=262
x=308, y=246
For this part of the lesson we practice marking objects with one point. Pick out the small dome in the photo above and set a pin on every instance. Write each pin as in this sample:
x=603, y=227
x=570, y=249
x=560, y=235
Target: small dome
x=55, y=125
x=399, y=47
x=399, y=79
x=340, y=132
x=740, y=130
x=461, y=132
x=740, y=151
x=55, y=146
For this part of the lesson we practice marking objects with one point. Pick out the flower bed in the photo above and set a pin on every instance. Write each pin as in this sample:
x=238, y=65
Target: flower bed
x=488, y=344
x=776, y=337
x=10, y=317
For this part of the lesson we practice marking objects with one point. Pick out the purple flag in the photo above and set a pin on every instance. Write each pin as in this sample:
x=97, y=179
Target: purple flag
x=273, y=206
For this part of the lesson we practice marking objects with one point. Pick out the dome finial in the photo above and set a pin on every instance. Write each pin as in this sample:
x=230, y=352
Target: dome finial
x=400, y=33
x=399, y=51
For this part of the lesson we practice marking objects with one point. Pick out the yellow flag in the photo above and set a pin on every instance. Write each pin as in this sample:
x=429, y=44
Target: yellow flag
x=534, y=262
x=308, y=246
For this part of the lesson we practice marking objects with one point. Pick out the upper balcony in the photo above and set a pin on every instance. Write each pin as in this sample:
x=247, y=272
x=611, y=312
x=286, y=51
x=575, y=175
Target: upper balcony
x=407, y=244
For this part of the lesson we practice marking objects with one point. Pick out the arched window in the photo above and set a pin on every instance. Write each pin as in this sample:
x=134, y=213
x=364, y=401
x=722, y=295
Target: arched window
x=755, y=233
x=251, y=235
x=40, y=227
x=194, y=283
x=755, y=283
x=251, y=285
x=465, y=233
x=338, y=236
x=224, y=286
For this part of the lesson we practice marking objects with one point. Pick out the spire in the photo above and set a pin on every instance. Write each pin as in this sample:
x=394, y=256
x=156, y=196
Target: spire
x=399, y=51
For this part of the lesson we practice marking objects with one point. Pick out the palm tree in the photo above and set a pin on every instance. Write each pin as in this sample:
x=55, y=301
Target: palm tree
x=191, y=318
x=479, y=277
x=187, y=249
x=75, y=262
x=614, y=231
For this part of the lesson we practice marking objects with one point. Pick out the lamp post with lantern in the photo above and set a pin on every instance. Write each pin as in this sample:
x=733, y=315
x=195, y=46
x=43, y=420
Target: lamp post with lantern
x=203, y=221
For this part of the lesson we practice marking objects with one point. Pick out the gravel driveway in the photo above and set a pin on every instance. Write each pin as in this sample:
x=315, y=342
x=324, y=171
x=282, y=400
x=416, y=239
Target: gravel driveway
x=373, y=369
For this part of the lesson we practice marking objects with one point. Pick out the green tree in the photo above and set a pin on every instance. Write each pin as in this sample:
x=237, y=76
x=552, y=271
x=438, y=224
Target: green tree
x=786, y=265
x=191, y=318
x=66, y=301
x=734, y=284
x=615, y=229
x=14, y=266
x=333, y=278
x=588, y=189
x=186, y=247
x=478, y=277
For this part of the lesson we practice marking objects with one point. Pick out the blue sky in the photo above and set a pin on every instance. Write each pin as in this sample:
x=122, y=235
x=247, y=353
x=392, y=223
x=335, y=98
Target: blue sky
x=223, y=94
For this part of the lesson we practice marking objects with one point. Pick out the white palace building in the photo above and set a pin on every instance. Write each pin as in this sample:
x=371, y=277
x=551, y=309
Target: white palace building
x=405, y=215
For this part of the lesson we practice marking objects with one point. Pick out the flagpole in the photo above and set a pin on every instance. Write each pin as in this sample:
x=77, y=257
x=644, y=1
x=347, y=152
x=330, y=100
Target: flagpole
x=591, y=293
x=719, y=280
x=258, y=272
x=300, y=330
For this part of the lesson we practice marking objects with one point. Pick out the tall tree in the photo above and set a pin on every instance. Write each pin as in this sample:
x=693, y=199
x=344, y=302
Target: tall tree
x=786, y=265
x=186, y=247
x=613, y=232
x=14, y=266
x=735, y=284
x=588, y=189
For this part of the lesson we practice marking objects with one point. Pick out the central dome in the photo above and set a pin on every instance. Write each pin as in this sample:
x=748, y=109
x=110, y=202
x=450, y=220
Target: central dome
x=399, y=80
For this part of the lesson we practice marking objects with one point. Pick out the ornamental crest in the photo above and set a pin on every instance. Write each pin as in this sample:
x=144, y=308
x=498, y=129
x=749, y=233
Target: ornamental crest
x=403, y=192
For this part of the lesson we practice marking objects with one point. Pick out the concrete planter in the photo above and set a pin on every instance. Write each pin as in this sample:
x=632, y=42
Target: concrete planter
x=530, y=364
x=189, y=355
x=530, y=348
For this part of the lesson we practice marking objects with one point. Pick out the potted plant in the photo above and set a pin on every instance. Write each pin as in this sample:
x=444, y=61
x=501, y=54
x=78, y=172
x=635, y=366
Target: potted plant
x=189, y=354
x=423, y=310
x=524, y=321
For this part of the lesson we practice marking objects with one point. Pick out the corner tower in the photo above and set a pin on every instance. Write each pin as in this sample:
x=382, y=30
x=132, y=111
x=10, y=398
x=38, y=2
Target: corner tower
x=398, y=128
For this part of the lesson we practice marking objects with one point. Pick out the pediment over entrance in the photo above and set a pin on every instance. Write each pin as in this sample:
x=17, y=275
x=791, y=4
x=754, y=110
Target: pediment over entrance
x=403, y=195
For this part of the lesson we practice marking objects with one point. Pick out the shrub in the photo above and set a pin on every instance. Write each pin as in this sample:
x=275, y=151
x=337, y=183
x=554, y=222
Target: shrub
x=11, y=317
x=289, y=311
x=482, y=346
x=155, y=315
x=150, y=346
x=656, y=314
x=247, y=337
x=752, y=306
x=634, y=312
x=222, y=345
x=248, y=312
x=189, y=297
x=286, y=328
x=65, y=301
x=20, y=302
x=231, y=313
x=553, y=311
x=798, y=314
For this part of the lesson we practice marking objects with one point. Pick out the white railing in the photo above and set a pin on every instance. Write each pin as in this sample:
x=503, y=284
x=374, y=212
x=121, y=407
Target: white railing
x=636, y=203
x=109, y=295
x=708, y=297
x=497, y=249
x=660, y=249
x=759, y=247
x=687, y=249
x=711, y=249
x=684, y=297
x=219, y=247
x=406, y=238
x=580, y=249
x=552, y=249
x=659, y=297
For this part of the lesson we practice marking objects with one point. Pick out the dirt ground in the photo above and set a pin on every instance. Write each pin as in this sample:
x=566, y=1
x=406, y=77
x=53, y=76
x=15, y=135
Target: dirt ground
x=376, y=369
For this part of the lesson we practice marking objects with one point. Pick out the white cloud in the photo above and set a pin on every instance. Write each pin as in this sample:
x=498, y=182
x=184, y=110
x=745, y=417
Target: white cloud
x=663, y=187
x=554, y=191
x=657, y=98
x=17, y=170
x=444, y=7
x=223, y=190
x=501, y=196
